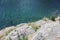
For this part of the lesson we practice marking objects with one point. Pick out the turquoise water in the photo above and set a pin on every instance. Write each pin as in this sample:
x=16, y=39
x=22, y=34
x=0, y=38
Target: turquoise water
x=13, y=12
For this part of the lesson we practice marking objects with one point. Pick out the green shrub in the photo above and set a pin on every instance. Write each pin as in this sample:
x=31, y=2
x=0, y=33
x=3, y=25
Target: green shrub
x=45, y=19
x=52, y=17
x=35, y=27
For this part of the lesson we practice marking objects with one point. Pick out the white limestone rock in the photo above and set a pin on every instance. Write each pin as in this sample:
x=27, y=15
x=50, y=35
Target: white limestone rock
x=24, y=30
x=49, y=31
x=6, y=31
x=57, y=19
x=42, y=22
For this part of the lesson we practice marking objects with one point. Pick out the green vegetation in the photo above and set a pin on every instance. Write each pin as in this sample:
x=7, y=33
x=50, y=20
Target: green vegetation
x=10, y=38
x=1, y=36
x=59, y=18
x=45, y=18
x=34, y=26
x=52, y=17
x=24, y=38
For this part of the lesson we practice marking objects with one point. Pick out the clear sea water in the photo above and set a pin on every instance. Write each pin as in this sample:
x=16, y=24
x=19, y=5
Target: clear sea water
x=13, y=12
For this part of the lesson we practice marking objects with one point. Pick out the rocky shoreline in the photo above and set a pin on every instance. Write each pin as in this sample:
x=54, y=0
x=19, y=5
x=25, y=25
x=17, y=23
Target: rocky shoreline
x=44, y=29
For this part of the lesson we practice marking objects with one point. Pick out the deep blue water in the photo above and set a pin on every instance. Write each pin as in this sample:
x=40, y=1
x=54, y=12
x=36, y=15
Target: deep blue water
x=13, y=12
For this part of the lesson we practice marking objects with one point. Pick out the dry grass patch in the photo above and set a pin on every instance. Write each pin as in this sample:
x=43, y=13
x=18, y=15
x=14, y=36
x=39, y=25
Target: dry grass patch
x=7, y=32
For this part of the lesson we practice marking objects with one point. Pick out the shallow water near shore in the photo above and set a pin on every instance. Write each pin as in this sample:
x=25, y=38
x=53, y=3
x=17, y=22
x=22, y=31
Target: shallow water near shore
x=13, y=12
